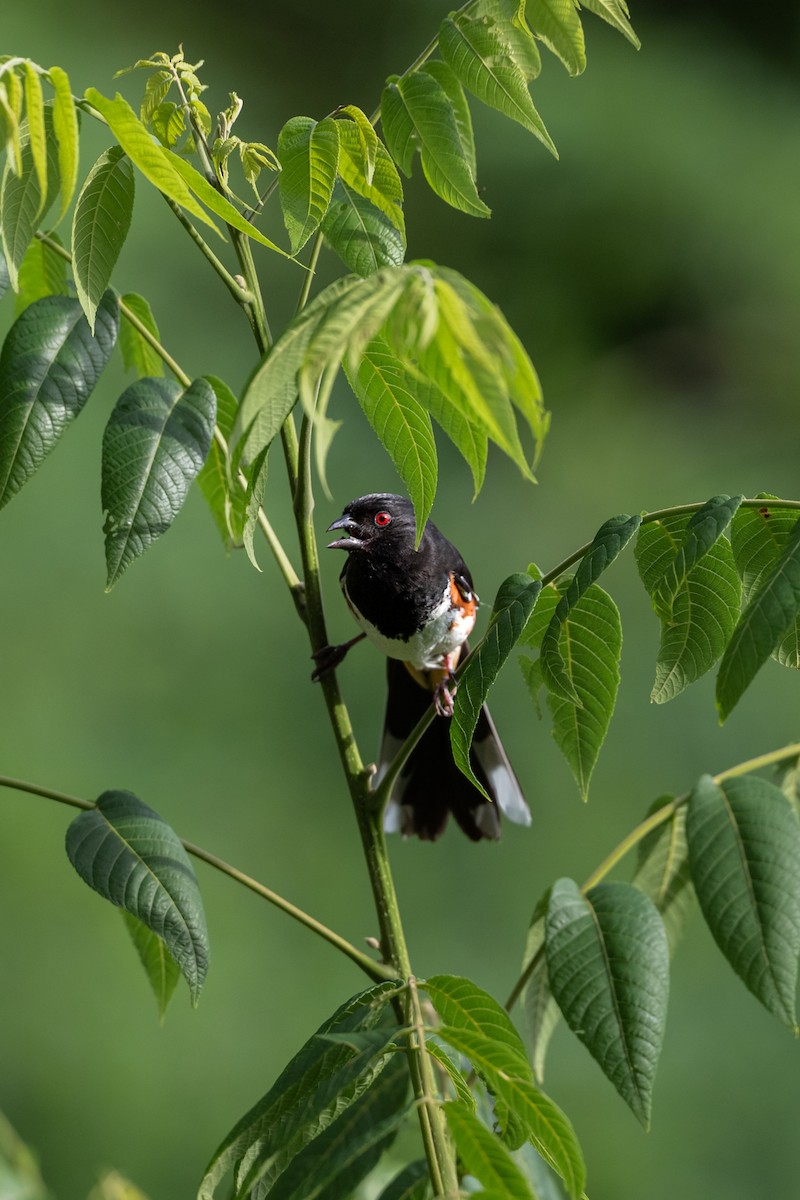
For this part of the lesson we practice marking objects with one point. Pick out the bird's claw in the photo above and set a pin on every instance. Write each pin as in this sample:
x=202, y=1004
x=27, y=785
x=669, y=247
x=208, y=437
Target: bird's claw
x=444, y=696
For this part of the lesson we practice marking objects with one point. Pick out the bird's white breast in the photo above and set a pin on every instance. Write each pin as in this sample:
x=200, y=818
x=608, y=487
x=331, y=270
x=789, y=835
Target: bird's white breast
x=445, y=629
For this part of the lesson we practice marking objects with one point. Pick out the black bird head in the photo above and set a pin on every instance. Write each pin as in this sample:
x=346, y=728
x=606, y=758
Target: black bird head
x=380, y=519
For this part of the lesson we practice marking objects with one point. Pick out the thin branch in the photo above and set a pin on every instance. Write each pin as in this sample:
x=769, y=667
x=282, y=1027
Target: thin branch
x=240, y=294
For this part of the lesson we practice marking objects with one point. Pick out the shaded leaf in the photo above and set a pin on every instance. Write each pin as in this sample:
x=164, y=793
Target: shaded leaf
x=744, y=847
x=42, y=273
x=160, y=967
x=702, y=531
x=412, y=1183
x=309, y=154
x=758, y=536
x=542, y=1014
x=129, y=855
x=461, y=1087
x=662, y=871
x=383, y=189
x=154, y=445
x=558, y=25
x=100, y=225
x=217, y=480
x=65, y=127
x=608, y=961
x=361, y=234
x=256, y=475
x=5, y=281
x=450, y=84
x=484, y=1155
x=512, y=607
x=615, y=13
x=48, y=367
x=137, y=353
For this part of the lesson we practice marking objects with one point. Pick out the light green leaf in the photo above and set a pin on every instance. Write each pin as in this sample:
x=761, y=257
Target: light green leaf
x=22, y=204
x=417, y=113
x=470, y=440
x=10, y=111
x=253, y=499
x=483, y=61
x=20, y=1177
x=361, y=234
x=367, y=138
x=34, y=108
x=615, y=13
x=607, y=543
x=509, y=15
x=703, y=530
x=100, y=225
x=160, y=967
x=769, y=615
x=758, y=536
x=384, y=190
x=412, y=1183
x=48, y=367
x=449, y=82
x=42, y=273
x=484, y=1155
x=512, y=607
x=557, y=24
x=168, y=123
x=137, y=353
x=319, y=1083
x=309, y=154
x=608, y=961
x=65, y=127
x=541, y=1011
x=385, y=391
x=216, y=480
x=461, y=1087
x=129, y=855
x=662, y=872
x=744, y=847
x=154, y=445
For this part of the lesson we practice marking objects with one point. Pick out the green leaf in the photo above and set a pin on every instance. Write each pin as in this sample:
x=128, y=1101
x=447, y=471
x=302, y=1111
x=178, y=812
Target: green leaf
x=137, y=353
x=34, y=108
x=42, y=273
x=10, y=111
x=508, y=1076
x=769, y=615
x=470, y=441
x=608, y=960
x=450, y=84
x=361, y=234
x=317, y=1085
x=509, y=15
x=48, y=367
x=758, y=536
x=309, y=155
x=154, y=445
x=253, y=500
x=129, y=855
x=557, y=23
x=100, y=225
x=417, y=113
x=662, y=872
x=512, y=607
x=412, y=1183
x=484, y=1155
x=5, y=281
x=65, y=127
x=160, y=967
x=383, y=189
x=704, y=609
x=385, y=391
x=541, y=1011
x=367, y=138
x=703, y=530
x=609, y=540
x=744, y=847
x=461, y=1087
x=483, y=61
x=615, y=13
x=216, y=480
x=22, y=201
x=20, y=1178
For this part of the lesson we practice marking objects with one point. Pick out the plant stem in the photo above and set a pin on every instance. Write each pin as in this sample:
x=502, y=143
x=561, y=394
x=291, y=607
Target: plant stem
x=240, y=294
x=444, y=1176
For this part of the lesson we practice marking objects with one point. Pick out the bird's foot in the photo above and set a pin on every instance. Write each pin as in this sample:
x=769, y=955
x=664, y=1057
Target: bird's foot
x=329, y=657
x=444, y=696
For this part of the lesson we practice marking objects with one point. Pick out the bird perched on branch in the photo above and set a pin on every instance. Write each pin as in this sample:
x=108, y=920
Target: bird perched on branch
x=419, y=606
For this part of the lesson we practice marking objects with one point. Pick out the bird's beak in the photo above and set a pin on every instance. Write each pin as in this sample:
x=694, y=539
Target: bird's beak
x=352, y=542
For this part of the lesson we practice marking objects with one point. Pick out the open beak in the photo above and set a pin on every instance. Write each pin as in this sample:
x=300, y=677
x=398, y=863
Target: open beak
x=350, y=542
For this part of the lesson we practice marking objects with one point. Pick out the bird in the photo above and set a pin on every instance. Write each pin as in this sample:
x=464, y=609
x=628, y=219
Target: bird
x=419, y=606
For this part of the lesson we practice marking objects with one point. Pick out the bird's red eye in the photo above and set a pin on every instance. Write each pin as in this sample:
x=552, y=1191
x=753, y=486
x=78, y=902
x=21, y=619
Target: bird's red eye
x=382, y=519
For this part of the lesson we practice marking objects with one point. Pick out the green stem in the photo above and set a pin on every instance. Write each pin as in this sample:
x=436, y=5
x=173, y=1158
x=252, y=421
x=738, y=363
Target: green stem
x=375, y=970
x=651, y=822
x=240, y=294
x=442, y=1168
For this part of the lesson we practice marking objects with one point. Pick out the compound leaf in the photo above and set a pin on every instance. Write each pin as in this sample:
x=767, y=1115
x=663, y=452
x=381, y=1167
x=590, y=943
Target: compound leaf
x=100, y=225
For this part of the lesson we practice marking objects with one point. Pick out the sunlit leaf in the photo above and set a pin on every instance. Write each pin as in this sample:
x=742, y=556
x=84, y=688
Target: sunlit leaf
x=137, y=353
x=22, y=201
x=34, y=108
x=42, y=272
x=615, y=13
x=558, y=25
x=509, y=16
x=100, y=225
x=384, y=189
x=309, y=154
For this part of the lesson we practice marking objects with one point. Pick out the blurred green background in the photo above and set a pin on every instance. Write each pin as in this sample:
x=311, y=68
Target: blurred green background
x=654, y=275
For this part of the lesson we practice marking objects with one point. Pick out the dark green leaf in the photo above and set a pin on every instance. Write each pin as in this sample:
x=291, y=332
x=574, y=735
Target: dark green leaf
x=48, y=367
x=137, y=353
x=615, y=13
x=758, y=536
x=309, y=154
x=42, y=273
x=608, y=961
x=161, y=968
x=702, y=531
x=100, y=225
x=771, y=612
x=65, y=127
x=130, y=856
x=449, y=82
x=361, y=234
x=412, y=1183
x=5, y=281
x=662, y=871
x=484, y=1155
x=609, y=540
x=321, y=1080
x=154, y=445
x=512, y=607
x=22, y=201
x=744, y=849
x=558, y=25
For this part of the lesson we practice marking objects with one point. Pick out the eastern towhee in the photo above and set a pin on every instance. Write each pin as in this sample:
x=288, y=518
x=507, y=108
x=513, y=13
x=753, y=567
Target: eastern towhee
x=418, y=607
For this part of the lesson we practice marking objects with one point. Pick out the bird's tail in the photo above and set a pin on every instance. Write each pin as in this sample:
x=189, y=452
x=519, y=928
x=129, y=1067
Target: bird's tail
x=430, y=785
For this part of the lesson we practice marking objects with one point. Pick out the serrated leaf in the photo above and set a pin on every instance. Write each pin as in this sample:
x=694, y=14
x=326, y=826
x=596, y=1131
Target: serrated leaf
x=449, y=82
x=460, y=1085
x=34, y=108
x=65, y=127
x=160, y=967
x=744, y=847
x=508, y=1076
x=703, y=530
x=137, y=353
x=615, y=13
x=309, y=155
x=412, y=1183
x=42, y=273
x=512, y=607
x=662, y=872
x=100, y=225
x=361, y=234
x=558, y=25
x=769, y=615
x=482, y=60
x=607, y=543
x=417, y=113
x=608, y=961
x=129, y=855
x=384, y=189
x=367, y=138
x=509, y=15
x=317, y=1085
x=484, y=1155
x=154, y=445
x=48, y=367
x=541, y=1011
x=22, y=202
x=471, y=442
x=385, y=391
x=758, y=537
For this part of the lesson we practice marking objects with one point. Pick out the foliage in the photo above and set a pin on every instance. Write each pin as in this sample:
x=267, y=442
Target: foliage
x=421, y=346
